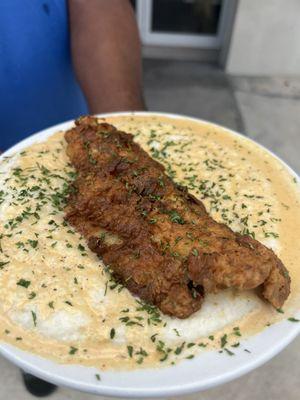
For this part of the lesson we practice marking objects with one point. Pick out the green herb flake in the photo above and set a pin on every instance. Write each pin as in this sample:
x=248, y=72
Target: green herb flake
x=112, y=333
x=292, y=319
x=195, y=252
x=98, y=377
x=73, y=350
x=190, y=345
x=175, y=217
x=153, y=337
x=24, y=283
x=223, y=340
x=33, y=243
x=164, y=357
x=33, y=317
x=179, y=349
x=2, y=263
x=161, y=181
x=130, y=351
x=51, y=304
x=230, y=353
x=190, y=357
x=142, y=352
x=236, y=331
x=80, y=247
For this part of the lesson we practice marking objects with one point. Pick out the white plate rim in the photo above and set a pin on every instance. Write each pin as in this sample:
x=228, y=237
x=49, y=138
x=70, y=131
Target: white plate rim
x=24, y=360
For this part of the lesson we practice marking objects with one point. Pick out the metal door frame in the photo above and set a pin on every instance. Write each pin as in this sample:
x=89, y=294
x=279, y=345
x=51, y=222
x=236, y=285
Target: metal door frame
x=200, y=41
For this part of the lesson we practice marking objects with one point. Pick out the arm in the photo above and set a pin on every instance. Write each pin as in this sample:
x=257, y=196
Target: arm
x=106, y=54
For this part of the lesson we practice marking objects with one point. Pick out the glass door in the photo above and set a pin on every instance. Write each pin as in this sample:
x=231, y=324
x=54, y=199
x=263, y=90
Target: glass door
x=183, y=23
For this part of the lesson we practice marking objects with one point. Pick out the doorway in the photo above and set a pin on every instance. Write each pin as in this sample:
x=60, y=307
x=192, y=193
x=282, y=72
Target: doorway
x=197, y=24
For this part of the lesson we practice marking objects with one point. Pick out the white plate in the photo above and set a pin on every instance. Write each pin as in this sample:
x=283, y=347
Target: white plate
x=207, y=370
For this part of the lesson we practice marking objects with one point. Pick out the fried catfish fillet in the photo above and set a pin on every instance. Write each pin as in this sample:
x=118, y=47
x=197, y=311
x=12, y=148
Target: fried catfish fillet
x=158, y=239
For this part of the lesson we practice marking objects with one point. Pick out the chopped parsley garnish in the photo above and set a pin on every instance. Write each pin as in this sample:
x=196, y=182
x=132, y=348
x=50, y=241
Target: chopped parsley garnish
x=152, y=311
x=176, y=331
x=33, y=317
x=195, y=252
x=179, y=349
x=175, y=217
x=73, y=350
x=130, y=351
x=2, y=263
x=24, y=283
x=223, y=340
x=236, y=331
x=164, y=357
x=33, y=243
x=190, y=345
x=112, y=333
x=51, y=304
x=190, y=357
x=153, y=337
x=142, y=352
x=230, y=353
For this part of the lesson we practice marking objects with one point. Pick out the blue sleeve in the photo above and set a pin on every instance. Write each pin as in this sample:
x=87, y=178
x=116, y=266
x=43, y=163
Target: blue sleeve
x=37, y=83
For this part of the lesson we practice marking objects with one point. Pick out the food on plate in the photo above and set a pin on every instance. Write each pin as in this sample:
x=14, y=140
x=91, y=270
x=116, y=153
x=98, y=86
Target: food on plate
x=59, y=299
x=158, y=239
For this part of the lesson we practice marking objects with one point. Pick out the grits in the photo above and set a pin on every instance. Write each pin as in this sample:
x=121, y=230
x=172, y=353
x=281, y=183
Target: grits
x=58, y=300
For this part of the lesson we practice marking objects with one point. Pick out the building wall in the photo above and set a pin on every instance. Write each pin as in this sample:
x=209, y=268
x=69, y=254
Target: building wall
x=265, y=38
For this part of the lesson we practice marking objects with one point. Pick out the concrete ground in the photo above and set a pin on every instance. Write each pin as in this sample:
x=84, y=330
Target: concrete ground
x=266, y=109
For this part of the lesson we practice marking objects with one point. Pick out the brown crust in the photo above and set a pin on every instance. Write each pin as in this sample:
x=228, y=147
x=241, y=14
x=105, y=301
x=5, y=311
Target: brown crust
x=164, y=247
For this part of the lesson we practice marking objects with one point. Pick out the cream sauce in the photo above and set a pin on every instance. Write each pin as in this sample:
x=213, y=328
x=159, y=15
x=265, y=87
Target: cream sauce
x=58, y=301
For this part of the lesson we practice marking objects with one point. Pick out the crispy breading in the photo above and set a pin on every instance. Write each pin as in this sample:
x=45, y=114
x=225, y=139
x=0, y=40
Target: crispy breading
x=158, y=239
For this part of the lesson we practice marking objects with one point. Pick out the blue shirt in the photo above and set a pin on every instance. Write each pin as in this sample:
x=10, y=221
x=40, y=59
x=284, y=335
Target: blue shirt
x=37, y=83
